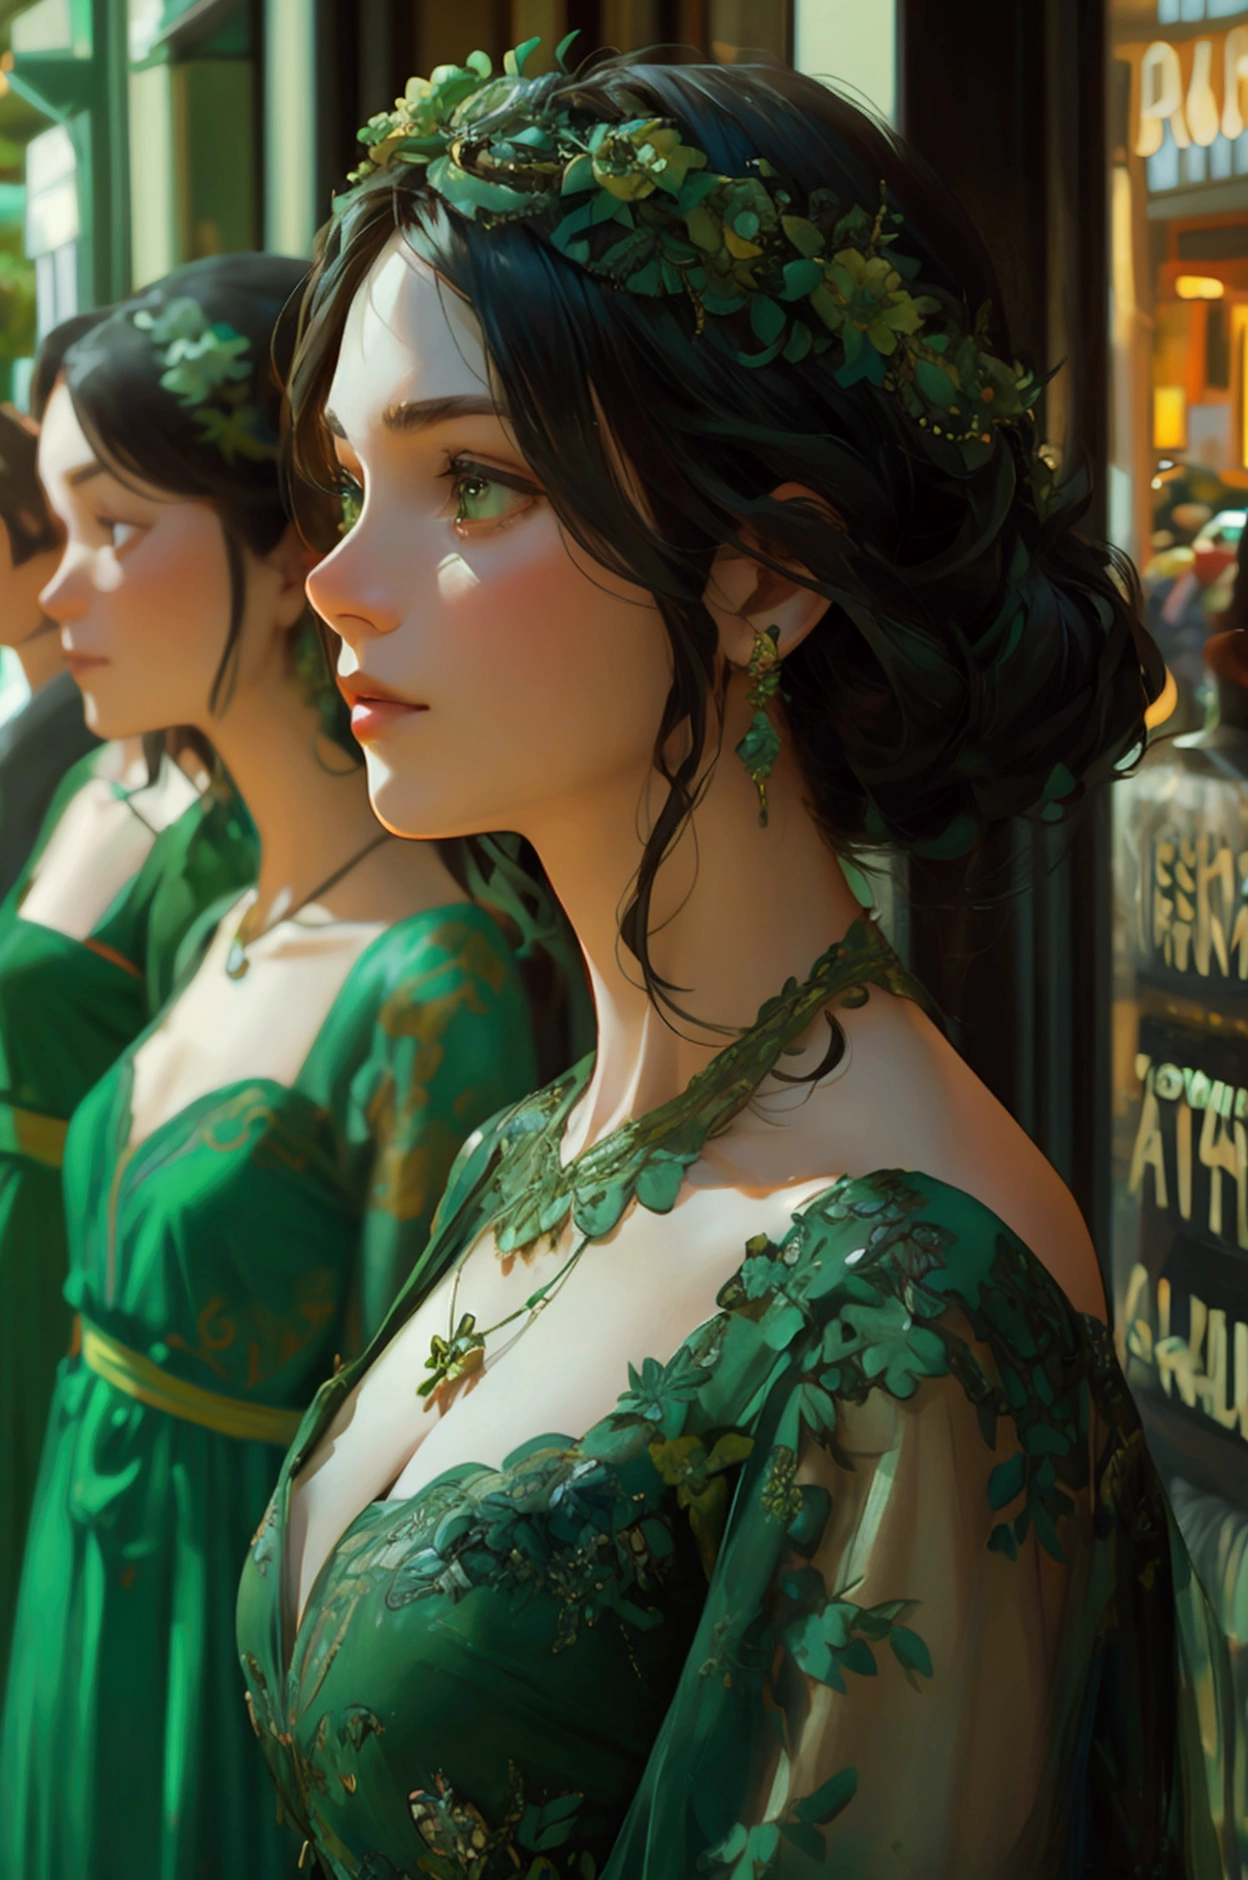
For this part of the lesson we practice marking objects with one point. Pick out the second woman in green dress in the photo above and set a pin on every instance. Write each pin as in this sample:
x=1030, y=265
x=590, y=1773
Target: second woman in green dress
x=110, y=864
x=249, y=1184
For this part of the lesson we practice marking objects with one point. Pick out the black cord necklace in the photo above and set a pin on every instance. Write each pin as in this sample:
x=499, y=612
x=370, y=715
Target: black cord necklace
x=236, y=961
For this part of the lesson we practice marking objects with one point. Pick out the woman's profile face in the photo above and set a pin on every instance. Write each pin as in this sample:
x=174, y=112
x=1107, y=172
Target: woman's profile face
x=499, y=676
x=142, y=593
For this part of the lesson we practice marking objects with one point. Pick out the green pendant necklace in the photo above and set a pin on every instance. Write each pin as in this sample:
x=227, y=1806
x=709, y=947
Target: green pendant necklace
x=237, y=963
x=529, y=1191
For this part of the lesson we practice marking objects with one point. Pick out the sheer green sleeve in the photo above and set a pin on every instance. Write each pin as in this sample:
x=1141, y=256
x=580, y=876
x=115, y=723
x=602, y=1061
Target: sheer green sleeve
x=950, y=1627
x=451, y=1043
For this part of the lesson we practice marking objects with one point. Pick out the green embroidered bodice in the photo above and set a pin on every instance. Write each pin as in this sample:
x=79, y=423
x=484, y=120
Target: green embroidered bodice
x=872, y=1576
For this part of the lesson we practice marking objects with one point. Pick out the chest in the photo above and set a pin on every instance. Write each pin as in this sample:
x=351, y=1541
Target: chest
x=262, y=1027
x=561, y=1332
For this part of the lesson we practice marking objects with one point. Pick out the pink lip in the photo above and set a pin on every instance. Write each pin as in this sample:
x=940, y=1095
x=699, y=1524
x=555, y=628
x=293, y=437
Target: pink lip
x=83, y=662
x=372, y=717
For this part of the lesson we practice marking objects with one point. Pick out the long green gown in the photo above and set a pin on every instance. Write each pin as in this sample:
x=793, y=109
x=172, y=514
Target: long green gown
x=220, y=1269
x=871, y=1579
x=67, y=1008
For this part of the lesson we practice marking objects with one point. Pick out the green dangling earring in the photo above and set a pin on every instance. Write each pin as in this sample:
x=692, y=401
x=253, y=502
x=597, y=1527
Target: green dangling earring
x=760, y=747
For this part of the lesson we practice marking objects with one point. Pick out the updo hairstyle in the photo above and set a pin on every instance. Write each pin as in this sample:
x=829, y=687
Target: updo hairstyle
x=979, y=660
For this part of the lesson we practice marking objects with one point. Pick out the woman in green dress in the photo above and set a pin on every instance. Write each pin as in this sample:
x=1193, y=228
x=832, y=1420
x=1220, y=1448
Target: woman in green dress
x=120, y=859
x=250, y=1182
x=744, y=1484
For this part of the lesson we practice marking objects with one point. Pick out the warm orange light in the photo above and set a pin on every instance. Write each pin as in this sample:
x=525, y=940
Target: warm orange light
x=1169, y=417
x=7, y=61
x=1199, y=287
x=1161, y=707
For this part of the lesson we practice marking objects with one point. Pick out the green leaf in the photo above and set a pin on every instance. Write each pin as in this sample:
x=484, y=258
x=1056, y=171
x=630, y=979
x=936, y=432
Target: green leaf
x=804, y=236
x=579, y=175
x=796, y=348
x=765, y=358
x=513, y=62
x=816, y=1409
x=718, y=302
x=1006, y=1481
x=1002, y=1541
x=645, y=280
x=830, y=1799
x=704, y=229
x=1046, y=1533
x=561, y=50
x=935, y=383
x=767, y=319
x=910, y=1651
x=858, y=1656
x=1043, y=1440
x=801, y=278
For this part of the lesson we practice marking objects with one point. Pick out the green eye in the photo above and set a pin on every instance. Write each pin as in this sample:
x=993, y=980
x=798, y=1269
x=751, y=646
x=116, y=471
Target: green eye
x=480, y=499
x=350, y=503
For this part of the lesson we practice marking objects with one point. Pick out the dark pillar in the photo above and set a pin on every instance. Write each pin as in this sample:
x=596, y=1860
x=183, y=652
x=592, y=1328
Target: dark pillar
x=1007, y=103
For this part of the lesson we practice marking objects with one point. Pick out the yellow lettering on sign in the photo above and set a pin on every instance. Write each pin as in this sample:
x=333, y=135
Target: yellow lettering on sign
x=1235, y=74
x=1161, y=100
x=1149, y=1150
x=1198, y=903
x=1209, y=1367
x=1198, y=88
x=1210, y=930
x=1202, y=105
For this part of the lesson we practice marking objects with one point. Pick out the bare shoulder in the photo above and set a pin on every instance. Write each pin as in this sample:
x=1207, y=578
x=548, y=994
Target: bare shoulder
x=908, y=1101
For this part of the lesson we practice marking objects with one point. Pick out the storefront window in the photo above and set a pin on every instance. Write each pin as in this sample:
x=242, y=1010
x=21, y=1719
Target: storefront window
x=1178, y=497
x=1179, y=318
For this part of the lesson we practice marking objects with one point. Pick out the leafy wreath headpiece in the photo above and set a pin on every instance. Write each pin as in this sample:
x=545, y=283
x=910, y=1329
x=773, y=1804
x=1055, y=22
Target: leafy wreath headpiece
x=207, y=367
x=639, y=208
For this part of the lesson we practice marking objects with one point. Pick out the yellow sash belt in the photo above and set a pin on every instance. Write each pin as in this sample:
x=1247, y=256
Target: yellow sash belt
x=138, y=1377
x=26, y=1132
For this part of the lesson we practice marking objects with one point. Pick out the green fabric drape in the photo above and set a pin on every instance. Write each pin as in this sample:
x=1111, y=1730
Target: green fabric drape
x=241, y=1247
x=67, y=1009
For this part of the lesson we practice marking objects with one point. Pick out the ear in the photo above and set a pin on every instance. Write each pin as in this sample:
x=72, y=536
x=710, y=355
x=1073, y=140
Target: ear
x=291, y=561
x=744, y=597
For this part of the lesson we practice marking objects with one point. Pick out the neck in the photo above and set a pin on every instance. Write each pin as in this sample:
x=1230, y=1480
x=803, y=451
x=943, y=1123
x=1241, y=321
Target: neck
x=734, y=915
x=310, y=818
x=40, y=656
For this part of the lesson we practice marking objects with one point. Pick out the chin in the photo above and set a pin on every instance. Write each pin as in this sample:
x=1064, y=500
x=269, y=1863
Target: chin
x=405, y=807
x=108, y=723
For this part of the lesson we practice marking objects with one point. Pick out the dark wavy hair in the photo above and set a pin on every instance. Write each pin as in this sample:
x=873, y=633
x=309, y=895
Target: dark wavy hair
x=980, y=659
x=23, y=508
x=140, y=431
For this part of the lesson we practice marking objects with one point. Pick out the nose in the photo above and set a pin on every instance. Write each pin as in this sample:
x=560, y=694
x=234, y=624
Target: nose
x=349, y=598
x=65, y=598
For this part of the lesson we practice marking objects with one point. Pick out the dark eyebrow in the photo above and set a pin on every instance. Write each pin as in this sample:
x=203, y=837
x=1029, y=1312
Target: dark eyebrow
x=421, y=416
x=88, y=471
x=411, y=415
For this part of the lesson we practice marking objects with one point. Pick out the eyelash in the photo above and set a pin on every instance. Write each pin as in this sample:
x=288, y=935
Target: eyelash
x=459, y=470
x=109, y=523
x=462, y=469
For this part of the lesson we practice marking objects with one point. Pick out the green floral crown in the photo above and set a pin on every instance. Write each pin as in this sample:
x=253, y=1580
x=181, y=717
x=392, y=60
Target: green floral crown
x=207, y=366
x=634, y=205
